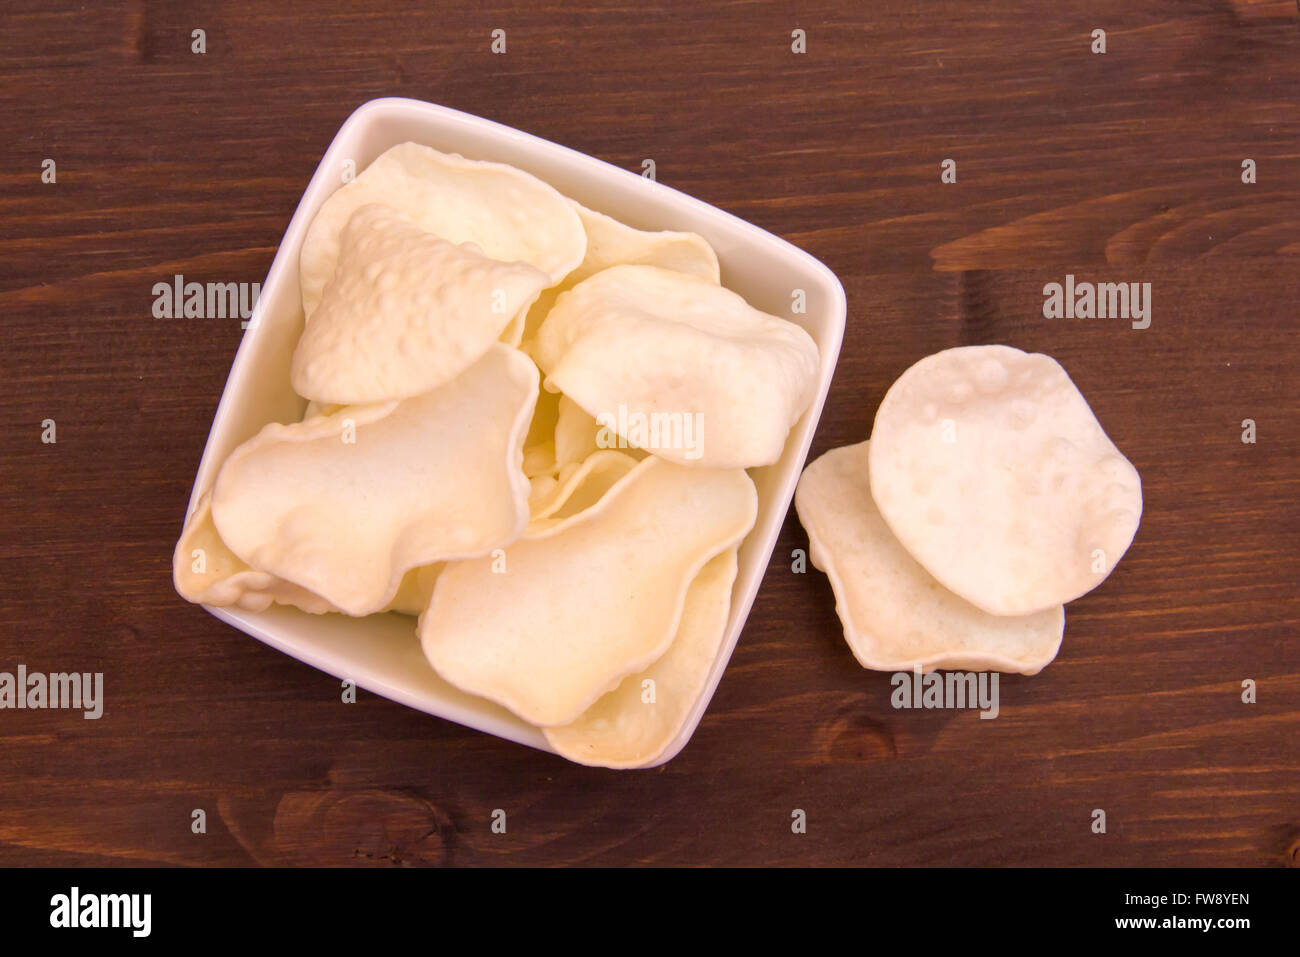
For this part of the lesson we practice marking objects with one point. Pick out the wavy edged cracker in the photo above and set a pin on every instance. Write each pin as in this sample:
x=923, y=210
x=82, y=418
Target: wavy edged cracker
x=612, y=243
x=679, y=366
x=413, y=593
x=575, y=433
x=585, y=603
x=896, y=617
x=405, y=312
x=315, y=408
x=427, y=479
x=513, y=334
x=207, y=572
x=561, y=434
x=625, y=730
x=991, y=469
x=539, y=445
x=510, y=215
x=579, y=487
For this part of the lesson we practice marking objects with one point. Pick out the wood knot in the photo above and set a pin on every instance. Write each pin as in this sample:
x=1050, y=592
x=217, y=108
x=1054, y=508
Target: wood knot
x=369, y=826
x=848, y=735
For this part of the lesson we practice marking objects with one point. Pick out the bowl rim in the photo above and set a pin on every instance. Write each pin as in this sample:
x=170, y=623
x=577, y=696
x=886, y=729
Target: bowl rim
x=829, y=340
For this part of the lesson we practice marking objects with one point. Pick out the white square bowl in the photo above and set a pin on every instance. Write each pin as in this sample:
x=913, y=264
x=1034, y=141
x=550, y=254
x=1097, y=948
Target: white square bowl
x=382, y=653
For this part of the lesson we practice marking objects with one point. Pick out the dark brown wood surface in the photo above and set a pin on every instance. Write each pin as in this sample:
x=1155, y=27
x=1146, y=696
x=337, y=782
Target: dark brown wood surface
x=1123, y=166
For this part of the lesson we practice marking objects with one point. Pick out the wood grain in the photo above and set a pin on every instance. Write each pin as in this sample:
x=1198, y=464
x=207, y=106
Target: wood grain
x=1122, y=166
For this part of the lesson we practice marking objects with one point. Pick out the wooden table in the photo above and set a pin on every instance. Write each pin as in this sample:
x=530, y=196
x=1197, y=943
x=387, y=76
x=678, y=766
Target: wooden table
x=1122, y=166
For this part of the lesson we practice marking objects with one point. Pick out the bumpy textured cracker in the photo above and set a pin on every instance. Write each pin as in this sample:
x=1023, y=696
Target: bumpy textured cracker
x=896, y=617
x=587, y=602
x=636, y=723
x=993, y=472
x=405, y=312
x=428, y=479
x=711, y=381
x=510, y=215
